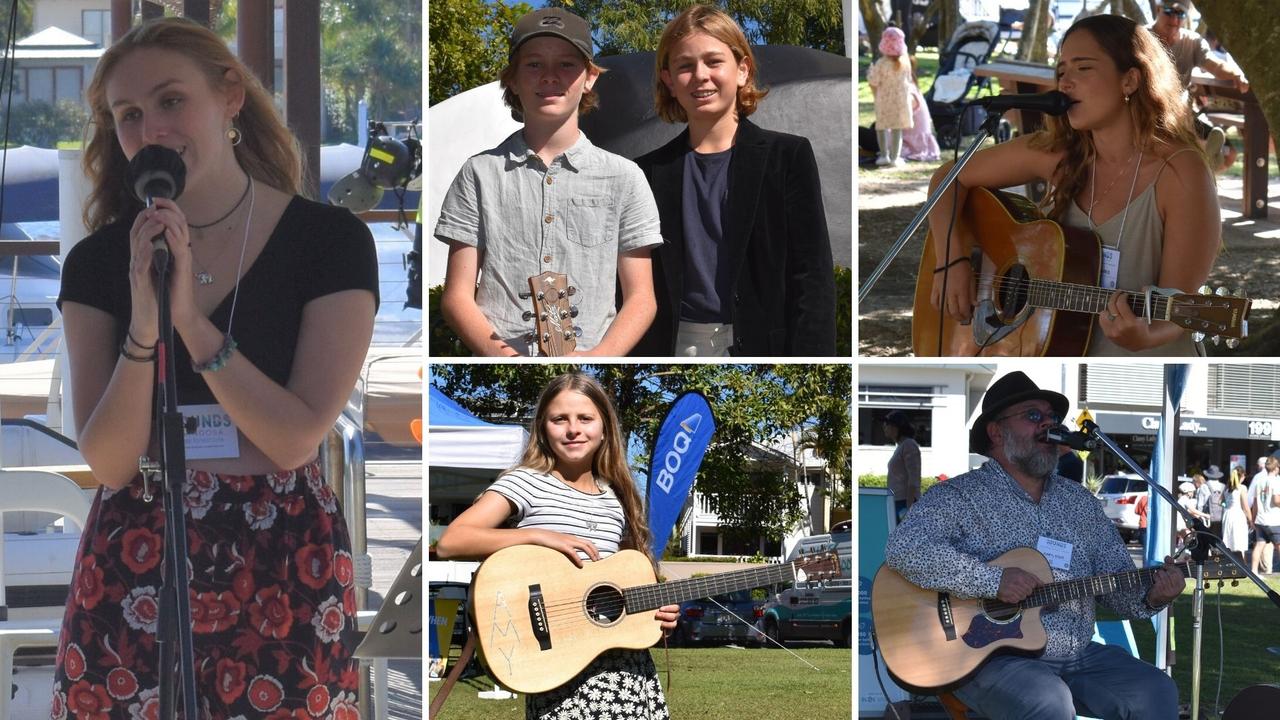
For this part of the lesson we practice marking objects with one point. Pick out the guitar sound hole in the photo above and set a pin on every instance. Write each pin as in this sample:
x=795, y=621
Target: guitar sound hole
x=604, y=604
x=999, y=612
x=1012, y=292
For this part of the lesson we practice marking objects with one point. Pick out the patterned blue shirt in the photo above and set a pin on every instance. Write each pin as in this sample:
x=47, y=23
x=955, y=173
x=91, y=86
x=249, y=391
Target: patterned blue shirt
x=949, y=535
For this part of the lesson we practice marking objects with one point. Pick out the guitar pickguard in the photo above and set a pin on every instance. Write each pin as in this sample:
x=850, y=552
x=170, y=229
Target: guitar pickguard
x=983, y=631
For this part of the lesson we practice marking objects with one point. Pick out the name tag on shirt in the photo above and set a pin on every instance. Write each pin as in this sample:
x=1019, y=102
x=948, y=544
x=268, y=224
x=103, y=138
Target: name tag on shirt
x=215, y=436
x=1057, y=552
x=1110, y=267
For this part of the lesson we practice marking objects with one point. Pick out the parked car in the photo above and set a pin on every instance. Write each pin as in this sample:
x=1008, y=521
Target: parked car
x=811, y=611
x=705, y=621
x=1119, y=495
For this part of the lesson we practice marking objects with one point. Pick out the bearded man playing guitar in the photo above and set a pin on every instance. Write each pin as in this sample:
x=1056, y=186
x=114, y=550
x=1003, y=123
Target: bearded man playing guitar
x=950, y=538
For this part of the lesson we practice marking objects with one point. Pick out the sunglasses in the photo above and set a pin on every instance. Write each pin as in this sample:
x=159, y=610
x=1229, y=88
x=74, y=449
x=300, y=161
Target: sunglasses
x=1034, y=416
x=1174, y=12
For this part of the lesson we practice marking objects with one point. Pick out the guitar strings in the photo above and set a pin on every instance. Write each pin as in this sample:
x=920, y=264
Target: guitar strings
x=1032, y=285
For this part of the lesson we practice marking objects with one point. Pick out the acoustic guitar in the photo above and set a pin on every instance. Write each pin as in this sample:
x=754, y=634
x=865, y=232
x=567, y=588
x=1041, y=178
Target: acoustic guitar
x=540, y=619
x=931, y=640
x=553, y=331
x=1037, y=285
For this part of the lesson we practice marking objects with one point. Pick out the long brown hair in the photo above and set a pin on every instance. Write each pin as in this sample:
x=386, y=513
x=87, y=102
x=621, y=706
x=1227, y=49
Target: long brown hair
x=713, y=22
x=269, y=152
x=610, y=462
x=1157, y=110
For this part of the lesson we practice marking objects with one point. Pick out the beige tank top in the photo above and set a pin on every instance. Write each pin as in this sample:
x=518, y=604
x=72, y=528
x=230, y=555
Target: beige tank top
x=1140, y=252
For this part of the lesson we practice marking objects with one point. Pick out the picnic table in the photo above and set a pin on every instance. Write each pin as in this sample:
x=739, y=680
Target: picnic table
x=1025, y=77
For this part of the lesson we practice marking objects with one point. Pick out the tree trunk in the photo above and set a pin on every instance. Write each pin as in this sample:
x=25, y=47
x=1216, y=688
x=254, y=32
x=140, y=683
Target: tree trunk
x=1247, y=28
x=1034, y=45
x=874, y=13
x=948, y=21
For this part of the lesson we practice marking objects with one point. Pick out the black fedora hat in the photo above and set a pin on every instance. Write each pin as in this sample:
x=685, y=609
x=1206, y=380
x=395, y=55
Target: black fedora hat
x=1009, y=390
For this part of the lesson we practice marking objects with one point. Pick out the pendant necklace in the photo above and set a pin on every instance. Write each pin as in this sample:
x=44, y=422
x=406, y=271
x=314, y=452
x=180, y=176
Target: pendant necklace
x=202, y=275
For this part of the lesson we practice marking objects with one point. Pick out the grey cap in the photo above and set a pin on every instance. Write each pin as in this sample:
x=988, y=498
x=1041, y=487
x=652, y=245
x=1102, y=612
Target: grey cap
x=556, y=22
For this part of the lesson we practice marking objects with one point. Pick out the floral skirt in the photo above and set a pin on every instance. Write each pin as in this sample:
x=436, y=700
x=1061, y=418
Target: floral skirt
x=272, y=593
x=618, y=685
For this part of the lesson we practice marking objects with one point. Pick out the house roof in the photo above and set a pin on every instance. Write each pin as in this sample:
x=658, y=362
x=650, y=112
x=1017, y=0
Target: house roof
x=54, y=43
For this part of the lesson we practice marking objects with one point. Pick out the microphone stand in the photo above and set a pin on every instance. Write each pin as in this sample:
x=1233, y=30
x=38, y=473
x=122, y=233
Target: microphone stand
x=1199, y=553
x=175, y=603
x=988, y=129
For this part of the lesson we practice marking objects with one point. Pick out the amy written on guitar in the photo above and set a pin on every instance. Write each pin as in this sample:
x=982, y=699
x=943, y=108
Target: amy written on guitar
x=1138, y=215
x=572, y=492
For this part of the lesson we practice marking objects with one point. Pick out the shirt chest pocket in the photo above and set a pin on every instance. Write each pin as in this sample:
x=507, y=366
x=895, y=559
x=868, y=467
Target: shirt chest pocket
x=590, y=221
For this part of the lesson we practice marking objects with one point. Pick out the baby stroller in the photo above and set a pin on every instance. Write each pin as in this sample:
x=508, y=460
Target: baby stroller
x=971, y=45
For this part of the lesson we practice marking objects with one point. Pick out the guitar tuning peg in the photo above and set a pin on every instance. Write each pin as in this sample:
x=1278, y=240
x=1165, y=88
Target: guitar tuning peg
x=1204, y=290
x=1221, y=292
x=541, y=296
x=573, y=290
x=577, y=331
x=573, y=311
x=568, y=334
x=1233, y=343
x=526, y=315
x=530, y=337
x=1215, y=339
x=560, y=293
x=564, y=314
x=1197, y=337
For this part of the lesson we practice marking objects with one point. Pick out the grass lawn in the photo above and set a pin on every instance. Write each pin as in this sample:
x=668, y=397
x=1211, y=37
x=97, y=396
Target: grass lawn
x=1248, y=627
x=720, y=683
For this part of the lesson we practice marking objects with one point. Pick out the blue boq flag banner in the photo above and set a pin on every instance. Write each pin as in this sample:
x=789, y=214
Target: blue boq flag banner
x=677, y=452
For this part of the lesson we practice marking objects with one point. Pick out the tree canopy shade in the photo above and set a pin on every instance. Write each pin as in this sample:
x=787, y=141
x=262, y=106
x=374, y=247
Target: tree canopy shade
x=788, y=406
x=468, y=45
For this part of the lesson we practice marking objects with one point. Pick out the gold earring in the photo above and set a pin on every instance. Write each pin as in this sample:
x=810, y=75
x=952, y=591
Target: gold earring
x=234, y=135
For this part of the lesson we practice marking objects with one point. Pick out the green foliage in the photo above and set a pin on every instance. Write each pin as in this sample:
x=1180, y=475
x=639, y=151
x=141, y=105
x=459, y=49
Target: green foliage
x=442, y=340
x=882, y=481
x=42, y=124
x=844, y=312
x=800, y=406
x=468, y=44
x=636, y=26
x=371, y=50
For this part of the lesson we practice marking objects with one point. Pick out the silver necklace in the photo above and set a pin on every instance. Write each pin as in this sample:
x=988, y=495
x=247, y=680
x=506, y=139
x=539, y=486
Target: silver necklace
x=202, y=275
x=1093, y=183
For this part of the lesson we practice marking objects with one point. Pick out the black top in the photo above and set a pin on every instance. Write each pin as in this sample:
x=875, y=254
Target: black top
x=707, y=282
x=777, y=252
x=314, y=250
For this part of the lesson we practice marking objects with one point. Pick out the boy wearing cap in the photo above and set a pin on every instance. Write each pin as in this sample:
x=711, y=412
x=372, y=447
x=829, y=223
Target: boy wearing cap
x=546, y=199
x=1017, y=500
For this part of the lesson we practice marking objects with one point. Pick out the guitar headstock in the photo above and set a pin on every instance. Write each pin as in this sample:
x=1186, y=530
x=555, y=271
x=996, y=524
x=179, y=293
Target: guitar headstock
x=1215, y=314
x=819, y=565
x=1221, y=571
x=552, y=315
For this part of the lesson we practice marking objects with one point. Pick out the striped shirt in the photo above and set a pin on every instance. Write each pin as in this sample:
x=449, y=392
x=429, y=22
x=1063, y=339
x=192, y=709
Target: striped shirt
x=545, y=502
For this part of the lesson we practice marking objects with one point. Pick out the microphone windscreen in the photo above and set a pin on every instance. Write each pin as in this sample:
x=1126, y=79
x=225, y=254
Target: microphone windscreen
x=157, y=171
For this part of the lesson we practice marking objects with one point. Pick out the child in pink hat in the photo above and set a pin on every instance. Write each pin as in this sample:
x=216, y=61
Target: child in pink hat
x=890, y=81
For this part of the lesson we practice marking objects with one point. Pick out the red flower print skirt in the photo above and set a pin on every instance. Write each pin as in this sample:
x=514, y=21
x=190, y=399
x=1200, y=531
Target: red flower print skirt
x=272, y=592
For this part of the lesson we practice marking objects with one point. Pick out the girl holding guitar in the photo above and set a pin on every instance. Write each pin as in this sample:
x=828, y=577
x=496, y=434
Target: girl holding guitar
x=571, y=492
x=1124, y=163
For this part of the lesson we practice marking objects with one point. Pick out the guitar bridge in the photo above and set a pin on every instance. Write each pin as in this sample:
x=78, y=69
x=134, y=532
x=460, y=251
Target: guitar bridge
x=538, y=617
x=945, y=616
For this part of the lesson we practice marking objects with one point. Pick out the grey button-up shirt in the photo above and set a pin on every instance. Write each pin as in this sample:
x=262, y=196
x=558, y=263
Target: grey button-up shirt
x=949, y=535
x=574, y=217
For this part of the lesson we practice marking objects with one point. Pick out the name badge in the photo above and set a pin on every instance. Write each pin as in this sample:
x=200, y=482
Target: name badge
x=1057, y=552
x=1110, y=267
x=215, y=436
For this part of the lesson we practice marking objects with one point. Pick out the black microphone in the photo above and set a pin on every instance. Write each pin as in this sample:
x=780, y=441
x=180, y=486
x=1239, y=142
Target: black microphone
x=1051, y=103
x=1061, y=435
x=157, y=172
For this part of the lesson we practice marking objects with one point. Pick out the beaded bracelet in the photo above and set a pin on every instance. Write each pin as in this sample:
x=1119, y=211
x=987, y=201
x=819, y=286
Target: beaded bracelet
x=137, y=344
x=219, y=361
x=124, y=350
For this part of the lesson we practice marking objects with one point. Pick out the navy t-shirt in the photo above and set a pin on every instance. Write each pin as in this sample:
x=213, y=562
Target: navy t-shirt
x=314, y=250
x=705, y=192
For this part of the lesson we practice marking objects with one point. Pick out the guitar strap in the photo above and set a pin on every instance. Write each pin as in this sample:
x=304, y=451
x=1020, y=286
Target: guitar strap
x=468, y=649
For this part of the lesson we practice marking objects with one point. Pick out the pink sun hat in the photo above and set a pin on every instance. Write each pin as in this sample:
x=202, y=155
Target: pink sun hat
x=892, y=42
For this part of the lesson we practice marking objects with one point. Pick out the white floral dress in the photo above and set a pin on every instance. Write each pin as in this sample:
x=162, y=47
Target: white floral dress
x=618, y=685
x=892, y=82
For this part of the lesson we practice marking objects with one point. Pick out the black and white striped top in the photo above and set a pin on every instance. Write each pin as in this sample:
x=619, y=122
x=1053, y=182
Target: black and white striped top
x=545, y=502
